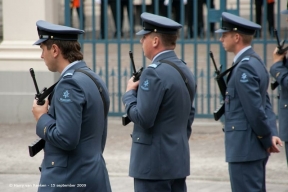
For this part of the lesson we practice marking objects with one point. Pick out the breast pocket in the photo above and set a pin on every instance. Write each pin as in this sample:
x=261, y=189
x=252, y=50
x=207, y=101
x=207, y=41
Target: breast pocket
x=229, y=96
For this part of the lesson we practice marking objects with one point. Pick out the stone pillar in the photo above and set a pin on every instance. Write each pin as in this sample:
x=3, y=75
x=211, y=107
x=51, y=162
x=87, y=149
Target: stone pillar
x=283, y=23
x=18, y=55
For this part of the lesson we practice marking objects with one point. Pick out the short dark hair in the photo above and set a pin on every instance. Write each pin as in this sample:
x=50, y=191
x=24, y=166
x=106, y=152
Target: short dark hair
x=168, y=40
x=247, y=39
x=71, y=50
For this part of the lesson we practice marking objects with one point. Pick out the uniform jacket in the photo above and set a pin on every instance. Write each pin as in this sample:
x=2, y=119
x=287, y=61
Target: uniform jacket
x=249, y=119
x=162, y=113
x=75, y=131
x=280, y=73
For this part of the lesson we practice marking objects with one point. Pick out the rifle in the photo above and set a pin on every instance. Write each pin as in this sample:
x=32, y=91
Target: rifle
x=280, y=51
x=136, y=74
x=222, y=86
x=39, y=144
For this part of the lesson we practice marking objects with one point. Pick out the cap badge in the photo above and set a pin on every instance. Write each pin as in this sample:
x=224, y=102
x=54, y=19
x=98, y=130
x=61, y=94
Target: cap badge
x=43, y=36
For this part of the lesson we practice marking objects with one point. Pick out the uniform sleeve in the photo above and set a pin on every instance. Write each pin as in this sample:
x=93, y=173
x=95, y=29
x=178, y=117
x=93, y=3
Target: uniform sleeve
x=142, y=108
x=271, y=116
x=247, y=85
x=64, y=131
x=280, y=73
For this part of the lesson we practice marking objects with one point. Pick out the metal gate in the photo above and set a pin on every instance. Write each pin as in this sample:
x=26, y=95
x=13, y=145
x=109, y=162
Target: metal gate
x=108, y=40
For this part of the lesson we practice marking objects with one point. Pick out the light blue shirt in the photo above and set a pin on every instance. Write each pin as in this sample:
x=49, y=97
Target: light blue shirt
x=240, y=53
x=160, y=54
x=68, y=66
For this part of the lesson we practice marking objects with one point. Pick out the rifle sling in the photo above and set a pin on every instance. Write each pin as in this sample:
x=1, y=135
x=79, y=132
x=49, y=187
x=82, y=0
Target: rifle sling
x=182, y=75
x=99, y=89
x=50, y=89
x=47, y=92
x=227, y=71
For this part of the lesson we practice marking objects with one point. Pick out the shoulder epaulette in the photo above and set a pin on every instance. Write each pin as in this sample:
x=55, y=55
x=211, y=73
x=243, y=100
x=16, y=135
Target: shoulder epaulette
x=245, y=59
x=154, y=65
x=69, y=73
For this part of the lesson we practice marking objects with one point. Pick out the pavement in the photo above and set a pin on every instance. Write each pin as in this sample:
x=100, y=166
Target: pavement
x=209, y=171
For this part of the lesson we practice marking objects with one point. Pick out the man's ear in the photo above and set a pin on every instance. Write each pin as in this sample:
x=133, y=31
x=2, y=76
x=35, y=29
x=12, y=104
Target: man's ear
x=55, y=50
x=237, y=37
x=155, y=41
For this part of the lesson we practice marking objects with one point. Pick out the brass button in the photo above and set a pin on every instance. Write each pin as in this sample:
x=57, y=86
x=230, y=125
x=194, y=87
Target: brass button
x=226, y=93
x=52, y=163
x=260, y=137
x=285, y=105
x=138, y=139
x=232, y=127
x=44, y=130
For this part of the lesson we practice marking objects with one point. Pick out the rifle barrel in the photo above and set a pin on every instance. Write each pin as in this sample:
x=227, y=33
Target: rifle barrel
x=34, y=80
x=213, y=60
x=277, y=38
x=132, y=61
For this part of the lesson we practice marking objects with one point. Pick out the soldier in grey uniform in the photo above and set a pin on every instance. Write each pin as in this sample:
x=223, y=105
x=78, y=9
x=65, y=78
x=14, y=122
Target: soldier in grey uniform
x=250, y=124
x=74, y=127
x=161, y=107
x=279, y=71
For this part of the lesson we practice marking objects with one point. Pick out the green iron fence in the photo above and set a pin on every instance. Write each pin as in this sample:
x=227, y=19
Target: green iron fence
x=106, y=52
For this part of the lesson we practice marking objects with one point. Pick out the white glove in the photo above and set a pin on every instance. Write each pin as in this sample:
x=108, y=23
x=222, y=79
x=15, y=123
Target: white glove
x=98, y=1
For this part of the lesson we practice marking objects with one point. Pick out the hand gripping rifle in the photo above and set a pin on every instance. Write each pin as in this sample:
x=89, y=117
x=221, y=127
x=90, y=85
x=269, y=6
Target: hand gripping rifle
x=39, y=144
x=136, y=74
x=222, y=86
x=280, y=51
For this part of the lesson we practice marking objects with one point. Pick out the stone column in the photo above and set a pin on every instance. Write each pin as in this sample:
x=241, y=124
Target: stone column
x=283, y=6
x=18, y=55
